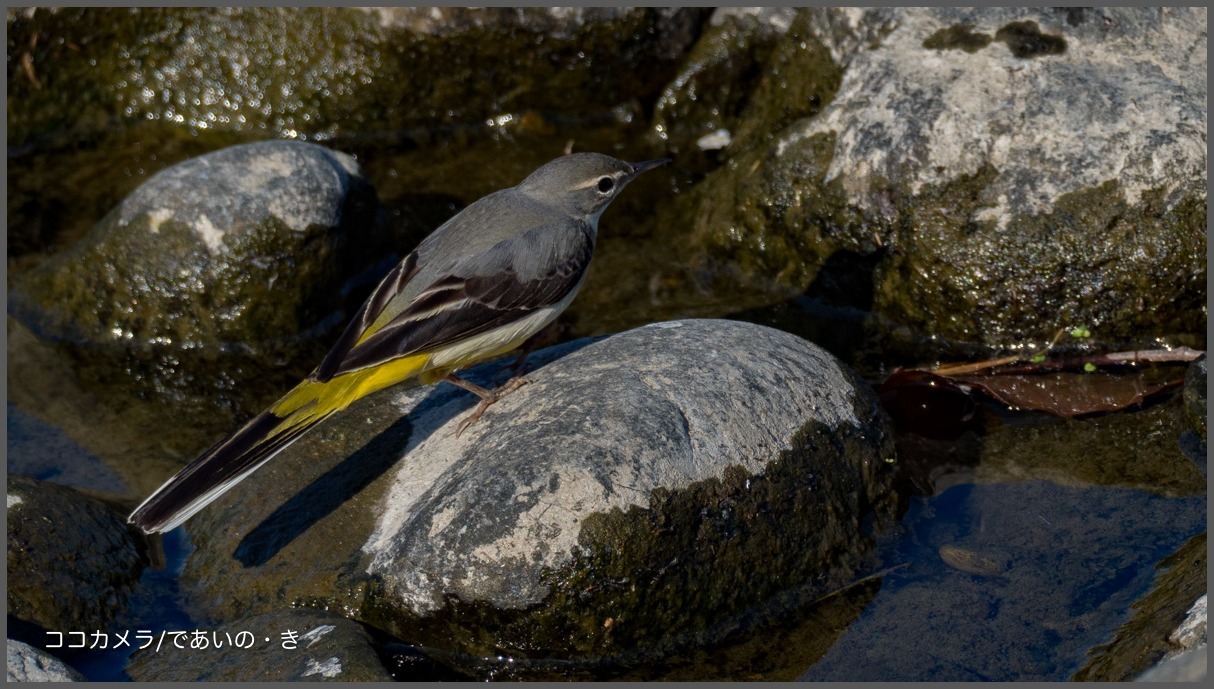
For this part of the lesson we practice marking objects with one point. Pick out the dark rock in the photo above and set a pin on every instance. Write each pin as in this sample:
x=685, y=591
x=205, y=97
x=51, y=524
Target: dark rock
x=699, y=108
x=321, y=72
x=85, y=433
x=281, y=646
x=1007, y=196
x=72, y=561
x=641, y=491
x=29, y=664
x=1133, y=449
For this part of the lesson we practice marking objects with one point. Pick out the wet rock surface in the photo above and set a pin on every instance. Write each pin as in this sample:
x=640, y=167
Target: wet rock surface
x=1186, y=661
x=1157, y=630
x=281, y=646
x=249, y=243
x=329, y=71
x=71, y=559
x=677, y=453
x=29, y=664
x=666, y=479
x=1141, y=450
x=1195, y=397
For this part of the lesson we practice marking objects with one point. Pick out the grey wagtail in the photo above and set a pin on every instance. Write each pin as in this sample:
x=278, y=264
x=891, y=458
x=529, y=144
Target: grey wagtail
x=477, y=287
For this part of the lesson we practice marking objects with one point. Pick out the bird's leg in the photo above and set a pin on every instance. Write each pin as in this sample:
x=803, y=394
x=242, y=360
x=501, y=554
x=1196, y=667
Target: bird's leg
x=515, y=369
x=488, y=397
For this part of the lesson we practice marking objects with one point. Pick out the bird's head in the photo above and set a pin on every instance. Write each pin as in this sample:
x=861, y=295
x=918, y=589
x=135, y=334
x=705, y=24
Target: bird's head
x=583, y=184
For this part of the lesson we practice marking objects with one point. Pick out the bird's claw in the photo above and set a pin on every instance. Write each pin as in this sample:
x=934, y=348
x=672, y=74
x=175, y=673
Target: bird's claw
x=495, y=395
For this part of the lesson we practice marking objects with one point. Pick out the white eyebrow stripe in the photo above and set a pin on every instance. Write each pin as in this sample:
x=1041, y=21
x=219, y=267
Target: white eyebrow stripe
x=616, y=177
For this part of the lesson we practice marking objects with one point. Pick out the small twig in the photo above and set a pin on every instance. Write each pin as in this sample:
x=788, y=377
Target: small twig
x=1145, y=356
x=962, y=369
x=1179, y=354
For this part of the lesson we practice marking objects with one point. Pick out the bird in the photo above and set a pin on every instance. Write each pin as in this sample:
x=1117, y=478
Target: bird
x=476, y=288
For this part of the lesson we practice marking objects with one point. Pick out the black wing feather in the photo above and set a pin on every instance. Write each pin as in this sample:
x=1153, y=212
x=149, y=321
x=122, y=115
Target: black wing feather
x=392, y=284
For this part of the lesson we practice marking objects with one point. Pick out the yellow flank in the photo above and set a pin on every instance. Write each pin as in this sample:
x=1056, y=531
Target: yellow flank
x=312, y=400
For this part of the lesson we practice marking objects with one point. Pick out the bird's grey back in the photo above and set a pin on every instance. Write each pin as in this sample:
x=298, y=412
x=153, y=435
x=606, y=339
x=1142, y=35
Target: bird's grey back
x=529, y=233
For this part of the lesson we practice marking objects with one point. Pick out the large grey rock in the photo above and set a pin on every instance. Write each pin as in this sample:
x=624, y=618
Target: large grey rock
x=657, y=409
x=1008, y=163
x=303, y=645
x=72, y=561
x=643, y=490
x=29, y=664
x=1004, y=105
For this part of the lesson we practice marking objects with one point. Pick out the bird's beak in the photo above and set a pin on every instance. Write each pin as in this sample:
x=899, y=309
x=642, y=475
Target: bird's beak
x=638, y=168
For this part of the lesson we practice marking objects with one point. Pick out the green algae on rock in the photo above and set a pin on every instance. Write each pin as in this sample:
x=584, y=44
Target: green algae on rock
x=957, y=37
x=1026, y=40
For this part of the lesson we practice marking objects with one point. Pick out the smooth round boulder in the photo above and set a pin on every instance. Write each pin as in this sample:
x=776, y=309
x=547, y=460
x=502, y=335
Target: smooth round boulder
x=248, y=244
x=643, y=490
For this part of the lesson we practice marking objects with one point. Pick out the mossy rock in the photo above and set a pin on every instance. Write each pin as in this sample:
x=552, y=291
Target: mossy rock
x=245, y=251
x=997, y=220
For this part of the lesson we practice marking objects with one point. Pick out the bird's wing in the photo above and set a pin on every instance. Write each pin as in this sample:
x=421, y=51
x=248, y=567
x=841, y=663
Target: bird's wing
x=474, y=295
x=392, y=284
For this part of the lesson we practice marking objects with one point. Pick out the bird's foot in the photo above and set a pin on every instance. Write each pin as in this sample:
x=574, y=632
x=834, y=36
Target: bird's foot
x=488, y=397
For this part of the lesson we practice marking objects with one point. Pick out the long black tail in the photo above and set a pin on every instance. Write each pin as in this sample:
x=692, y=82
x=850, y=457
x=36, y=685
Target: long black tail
x=218, y=469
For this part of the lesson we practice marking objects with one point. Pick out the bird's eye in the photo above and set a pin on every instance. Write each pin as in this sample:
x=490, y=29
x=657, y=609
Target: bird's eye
x=606, y=184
